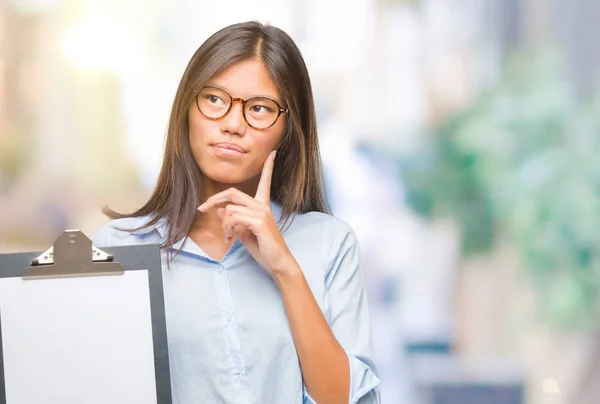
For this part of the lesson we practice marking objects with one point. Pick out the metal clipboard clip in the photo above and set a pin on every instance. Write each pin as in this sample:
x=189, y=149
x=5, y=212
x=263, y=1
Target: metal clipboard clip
x=72, y=255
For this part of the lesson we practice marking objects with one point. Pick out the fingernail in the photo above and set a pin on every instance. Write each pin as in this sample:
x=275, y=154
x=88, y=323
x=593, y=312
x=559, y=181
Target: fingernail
x=201, y=207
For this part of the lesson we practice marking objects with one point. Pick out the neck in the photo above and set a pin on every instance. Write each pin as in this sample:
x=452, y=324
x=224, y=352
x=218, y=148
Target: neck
x=209, y=221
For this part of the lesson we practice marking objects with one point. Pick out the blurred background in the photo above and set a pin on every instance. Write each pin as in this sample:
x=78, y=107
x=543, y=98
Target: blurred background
x=460, y=139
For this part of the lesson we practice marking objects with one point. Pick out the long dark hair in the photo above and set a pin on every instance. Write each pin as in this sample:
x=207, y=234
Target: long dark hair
x=296, y=183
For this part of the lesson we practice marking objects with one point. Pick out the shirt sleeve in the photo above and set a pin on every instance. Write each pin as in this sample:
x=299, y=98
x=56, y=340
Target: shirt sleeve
x=350, y=320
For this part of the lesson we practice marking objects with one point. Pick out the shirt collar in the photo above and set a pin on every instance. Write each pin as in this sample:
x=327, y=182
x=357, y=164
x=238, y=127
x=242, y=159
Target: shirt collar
x=160, y=226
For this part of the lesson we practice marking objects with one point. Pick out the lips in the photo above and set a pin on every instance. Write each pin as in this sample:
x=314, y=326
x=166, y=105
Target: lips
x=229, y=146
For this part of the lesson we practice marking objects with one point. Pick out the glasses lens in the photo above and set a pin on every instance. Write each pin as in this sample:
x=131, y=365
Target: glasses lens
x=261, y=112
x=213, y=102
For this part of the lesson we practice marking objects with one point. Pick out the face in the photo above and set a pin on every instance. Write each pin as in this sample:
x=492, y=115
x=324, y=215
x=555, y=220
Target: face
x=229, y=151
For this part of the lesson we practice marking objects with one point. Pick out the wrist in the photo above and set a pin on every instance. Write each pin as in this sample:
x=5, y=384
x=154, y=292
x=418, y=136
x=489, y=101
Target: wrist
x=286, y=271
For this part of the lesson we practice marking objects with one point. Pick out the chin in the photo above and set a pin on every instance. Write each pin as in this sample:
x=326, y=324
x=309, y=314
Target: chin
x=231, y=177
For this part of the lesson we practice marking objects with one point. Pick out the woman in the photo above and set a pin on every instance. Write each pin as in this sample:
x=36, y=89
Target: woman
x=264, y=292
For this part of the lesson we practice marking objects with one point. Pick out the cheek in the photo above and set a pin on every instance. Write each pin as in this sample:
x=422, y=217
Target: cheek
x=197, y=128
x=199, y=133
x=273, y=138
x=267, y=143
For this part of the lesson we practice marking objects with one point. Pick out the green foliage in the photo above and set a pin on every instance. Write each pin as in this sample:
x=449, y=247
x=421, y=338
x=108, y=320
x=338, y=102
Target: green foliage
x=523, y=163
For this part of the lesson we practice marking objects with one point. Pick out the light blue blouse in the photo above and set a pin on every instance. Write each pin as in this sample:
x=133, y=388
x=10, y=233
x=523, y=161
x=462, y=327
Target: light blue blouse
x=228, y=334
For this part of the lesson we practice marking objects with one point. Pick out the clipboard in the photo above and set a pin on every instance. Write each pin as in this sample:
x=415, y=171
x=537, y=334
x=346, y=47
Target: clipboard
x=83, y=325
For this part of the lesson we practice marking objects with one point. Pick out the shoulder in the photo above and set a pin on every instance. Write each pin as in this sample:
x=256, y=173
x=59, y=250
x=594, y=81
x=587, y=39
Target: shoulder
x=321, y=223
x=308, y=223
x=321, y=229
x=326, y=248
x=124, y=232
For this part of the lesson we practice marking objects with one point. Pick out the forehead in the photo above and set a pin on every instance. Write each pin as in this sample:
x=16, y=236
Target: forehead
x=246, y=79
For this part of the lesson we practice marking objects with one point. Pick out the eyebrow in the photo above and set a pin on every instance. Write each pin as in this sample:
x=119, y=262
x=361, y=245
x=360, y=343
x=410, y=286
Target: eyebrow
x=209, y=84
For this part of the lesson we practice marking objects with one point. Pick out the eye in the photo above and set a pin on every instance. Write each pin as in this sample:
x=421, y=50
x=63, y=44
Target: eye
x=213, y=99
x=262, y=109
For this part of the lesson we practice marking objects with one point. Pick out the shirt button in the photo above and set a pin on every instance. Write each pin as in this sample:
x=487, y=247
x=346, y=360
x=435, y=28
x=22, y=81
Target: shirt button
x=237, y=371
x=227, y=318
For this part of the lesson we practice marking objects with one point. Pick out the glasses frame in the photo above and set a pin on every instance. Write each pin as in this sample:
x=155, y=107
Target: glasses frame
x=280, y=110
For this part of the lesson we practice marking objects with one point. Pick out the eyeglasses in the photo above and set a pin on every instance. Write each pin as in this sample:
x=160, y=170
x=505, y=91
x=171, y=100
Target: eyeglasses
x=259, y=112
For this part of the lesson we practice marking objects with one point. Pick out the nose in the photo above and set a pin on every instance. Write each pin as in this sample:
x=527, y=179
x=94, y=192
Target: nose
x=234, y=122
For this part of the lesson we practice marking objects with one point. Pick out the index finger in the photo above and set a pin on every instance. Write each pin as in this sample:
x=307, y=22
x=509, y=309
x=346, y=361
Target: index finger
x=263, y=192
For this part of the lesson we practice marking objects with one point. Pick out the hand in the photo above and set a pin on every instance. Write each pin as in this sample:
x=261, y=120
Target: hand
x=251, y=220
